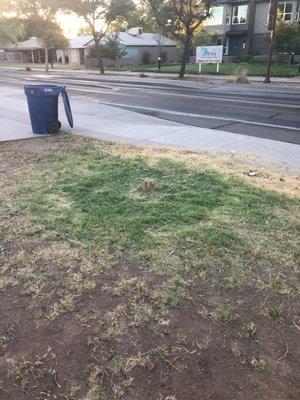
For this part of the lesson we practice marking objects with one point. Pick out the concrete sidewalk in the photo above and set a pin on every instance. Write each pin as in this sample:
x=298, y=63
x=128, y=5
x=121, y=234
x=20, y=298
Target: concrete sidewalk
x=93, y=119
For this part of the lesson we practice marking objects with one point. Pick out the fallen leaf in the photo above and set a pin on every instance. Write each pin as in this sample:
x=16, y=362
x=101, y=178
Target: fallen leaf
x=253, y=173
x=190, y=240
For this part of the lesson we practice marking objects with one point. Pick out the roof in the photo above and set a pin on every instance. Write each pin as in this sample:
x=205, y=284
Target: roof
x=145, y=39
x=29, y=44
x=80, y=42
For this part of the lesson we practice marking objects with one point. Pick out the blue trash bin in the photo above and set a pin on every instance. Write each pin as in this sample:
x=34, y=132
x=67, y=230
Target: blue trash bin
x=43, y=107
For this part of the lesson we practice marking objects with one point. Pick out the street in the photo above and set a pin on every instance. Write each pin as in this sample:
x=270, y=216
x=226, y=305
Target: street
x=250, y=110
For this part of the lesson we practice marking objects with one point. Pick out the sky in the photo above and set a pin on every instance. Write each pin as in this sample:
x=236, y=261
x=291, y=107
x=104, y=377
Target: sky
x=70, y=24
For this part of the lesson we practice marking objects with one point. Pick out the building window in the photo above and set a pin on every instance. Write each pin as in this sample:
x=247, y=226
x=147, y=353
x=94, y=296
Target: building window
x=228, y=17
x=285, y=11
x=216, y=17
x=131, y=52
x=225, y=46
x=239, y=14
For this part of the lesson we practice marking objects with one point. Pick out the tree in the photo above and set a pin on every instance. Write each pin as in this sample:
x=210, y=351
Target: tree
x=180, y=19
x=49, y=32
x=38, y=18
x=140, y=17
x=160, y=40
x=99, y=15
x=11, y=30
x=204, y=38
x=110, y=47
x=287, y=37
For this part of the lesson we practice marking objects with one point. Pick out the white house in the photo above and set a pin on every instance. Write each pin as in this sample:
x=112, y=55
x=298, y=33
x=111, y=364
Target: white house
x=76, y=52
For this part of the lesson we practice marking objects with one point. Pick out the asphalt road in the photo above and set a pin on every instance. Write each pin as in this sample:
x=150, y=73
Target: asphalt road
x=256, y=111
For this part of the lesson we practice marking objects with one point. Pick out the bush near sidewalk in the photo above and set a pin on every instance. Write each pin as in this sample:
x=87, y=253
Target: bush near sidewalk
x=113, y=289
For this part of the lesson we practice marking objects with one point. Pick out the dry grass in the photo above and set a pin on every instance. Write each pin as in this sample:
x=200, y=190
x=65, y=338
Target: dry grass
x=237, y=164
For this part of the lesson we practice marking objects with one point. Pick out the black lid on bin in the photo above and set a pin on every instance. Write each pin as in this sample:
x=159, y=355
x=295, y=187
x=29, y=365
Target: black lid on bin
x=43, y=90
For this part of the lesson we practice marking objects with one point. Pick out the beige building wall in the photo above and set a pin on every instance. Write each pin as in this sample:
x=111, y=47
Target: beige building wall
x=74, y=56
x=173, y=55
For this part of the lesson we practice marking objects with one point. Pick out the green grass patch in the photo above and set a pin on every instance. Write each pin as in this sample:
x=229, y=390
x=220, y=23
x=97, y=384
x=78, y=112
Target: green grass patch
x=254, y=69
x=95, y=198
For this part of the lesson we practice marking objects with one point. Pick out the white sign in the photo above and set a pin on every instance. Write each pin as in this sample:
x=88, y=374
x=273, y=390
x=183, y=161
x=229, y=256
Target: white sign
x=209, y=54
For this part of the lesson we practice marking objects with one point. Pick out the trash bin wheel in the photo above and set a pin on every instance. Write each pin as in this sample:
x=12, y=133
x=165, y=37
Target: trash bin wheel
x=53, y=127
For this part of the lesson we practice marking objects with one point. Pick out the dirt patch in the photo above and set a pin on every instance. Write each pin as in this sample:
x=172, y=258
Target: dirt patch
x=193, y=354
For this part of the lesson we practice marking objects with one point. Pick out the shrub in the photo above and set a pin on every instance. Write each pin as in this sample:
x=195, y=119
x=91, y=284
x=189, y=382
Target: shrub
x=146, y=57
x=239, y=76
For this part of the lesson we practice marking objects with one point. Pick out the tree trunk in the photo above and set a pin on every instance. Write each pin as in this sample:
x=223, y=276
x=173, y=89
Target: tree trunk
x=99, y=58
x=46, y=58
x=268, y=71
x=185, y=56
x=100, y=62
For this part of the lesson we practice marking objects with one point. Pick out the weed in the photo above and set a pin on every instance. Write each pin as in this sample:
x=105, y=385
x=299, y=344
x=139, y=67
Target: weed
x=117, y=365
x=257, y=364
x=182, y=339
x=68, y=303
x=105, y=333
x=161, y=350
x=203, y=343
x=72, y=389
x=223, y=314
x=27, y=372
x=134, y=361
x=239, y=76
x=236, y=349
x=97, y=392
x=276, y=313
x=89, y=340
x=248, y=329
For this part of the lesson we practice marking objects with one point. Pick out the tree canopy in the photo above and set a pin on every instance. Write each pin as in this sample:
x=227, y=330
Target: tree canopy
x=140, y=16
x=287, y=37
x=204, y=38
x=35, y=18
x=180, y=19
x=12, y=30
x=110, y=47
x=99, y=15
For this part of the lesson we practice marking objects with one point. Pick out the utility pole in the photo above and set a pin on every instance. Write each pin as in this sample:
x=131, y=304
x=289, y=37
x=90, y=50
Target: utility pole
x=271, y=27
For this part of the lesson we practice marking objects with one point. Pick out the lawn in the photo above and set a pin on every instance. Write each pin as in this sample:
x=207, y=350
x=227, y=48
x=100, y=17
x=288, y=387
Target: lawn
x=255, y=69
x=185, y=291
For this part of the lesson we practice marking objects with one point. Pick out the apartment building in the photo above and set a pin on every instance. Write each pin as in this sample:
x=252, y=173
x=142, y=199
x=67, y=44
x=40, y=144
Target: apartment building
x=242, y=25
